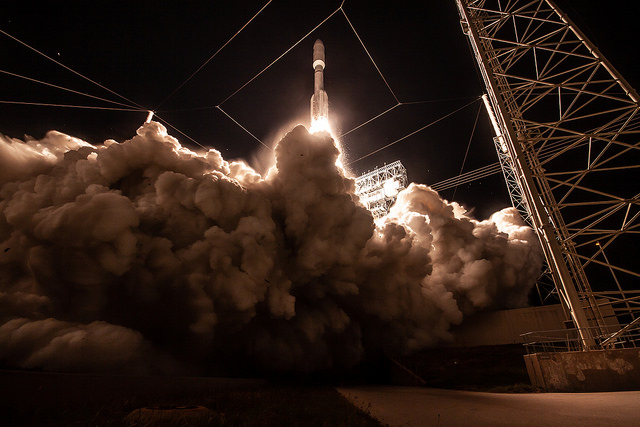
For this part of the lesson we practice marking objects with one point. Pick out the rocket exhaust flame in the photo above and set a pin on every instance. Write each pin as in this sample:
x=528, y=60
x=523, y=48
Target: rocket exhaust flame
x=320, y=125
x=145, y=257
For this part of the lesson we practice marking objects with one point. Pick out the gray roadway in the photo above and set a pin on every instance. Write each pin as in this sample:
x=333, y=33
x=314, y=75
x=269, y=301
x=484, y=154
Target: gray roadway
x=416, y=406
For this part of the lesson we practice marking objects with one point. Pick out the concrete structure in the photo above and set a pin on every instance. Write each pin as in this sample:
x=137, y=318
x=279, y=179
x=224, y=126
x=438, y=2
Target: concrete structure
x=486, y=351
x=506, y=326
x=492, y=342
x=579, y=371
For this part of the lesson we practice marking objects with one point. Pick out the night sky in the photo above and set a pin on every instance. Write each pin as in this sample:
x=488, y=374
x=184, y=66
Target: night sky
x=145, y=50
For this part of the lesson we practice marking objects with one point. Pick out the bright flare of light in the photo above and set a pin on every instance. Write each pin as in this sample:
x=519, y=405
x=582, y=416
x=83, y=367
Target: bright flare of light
x=321, y=124
x=391, y=187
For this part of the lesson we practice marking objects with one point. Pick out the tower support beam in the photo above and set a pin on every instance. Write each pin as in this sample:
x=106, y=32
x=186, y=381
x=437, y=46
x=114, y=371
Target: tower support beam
x=513, y=144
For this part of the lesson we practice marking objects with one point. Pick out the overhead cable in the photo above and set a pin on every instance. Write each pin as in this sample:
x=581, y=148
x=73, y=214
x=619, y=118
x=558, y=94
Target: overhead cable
x=413, y=133
x=70, y=69
x=368, y=54
x=243, y=128
x=279, y=57
x=62, y=88
x=467, y=177
x=180, y=132
x=473, y=131
x=88, y=107
x=212, y=56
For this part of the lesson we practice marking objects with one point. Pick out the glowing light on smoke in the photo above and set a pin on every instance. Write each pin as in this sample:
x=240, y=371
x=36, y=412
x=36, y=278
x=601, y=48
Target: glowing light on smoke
x=391, y=187
x=321, y=124
x=286, y=272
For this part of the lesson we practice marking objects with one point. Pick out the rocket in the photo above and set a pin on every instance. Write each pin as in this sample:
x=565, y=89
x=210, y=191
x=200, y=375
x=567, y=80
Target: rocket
x=319, y=99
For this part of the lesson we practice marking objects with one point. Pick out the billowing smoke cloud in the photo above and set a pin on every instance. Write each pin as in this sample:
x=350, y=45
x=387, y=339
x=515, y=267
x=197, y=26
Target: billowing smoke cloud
x=143, y=256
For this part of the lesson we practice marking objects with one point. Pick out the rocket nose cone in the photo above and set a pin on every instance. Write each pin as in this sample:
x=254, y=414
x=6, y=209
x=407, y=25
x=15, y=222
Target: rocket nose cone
x=318, y=51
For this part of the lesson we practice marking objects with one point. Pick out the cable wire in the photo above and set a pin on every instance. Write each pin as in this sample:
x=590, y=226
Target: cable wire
x=413, y=133
x=467, y=177
x=473, y=131
x=243, y=128
x=70, y=69
x=402, y=104
x=370, y=120
x=368, y=54
x=211, y=57
x=61, y=87
x=44, y=104
x=279, y=57
x=180, y=132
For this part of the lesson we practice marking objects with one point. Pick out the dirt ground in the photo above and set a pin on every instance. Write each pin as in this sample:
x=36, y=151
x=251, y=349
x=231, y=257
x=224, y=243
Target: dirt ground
x=49, y=399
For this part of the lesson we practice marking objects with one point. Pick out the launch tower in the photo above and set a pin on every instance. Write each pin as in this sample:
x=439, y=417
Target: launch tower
x=378, y=189
x=567, y=134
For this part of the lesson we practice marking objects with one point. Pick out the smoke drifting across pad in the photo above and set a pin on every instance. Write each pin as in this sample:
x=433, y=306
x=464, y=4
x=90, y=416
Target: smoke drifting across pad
x=144, y=257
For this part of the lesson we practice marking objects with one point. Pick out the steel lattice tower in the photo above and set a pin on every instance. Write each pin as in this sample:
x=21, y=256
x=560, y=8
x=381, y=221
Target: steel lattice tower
x=571, y=130
x=378, y=189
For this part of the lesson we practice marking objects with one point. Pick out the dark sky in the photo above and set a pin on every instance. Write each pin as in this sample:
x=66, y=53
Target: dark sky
x=144, y=50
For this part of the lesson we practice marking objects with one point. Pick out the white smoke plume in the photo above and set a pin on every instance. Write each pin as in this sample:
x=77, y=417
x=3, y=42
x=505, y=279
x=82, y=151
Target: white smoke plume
x=143, y=256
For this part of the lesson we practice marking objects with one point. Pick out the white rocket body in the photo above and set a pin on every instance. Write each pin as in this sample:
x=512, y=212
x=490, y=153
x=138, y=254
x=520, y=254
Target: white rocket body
x=319, y=99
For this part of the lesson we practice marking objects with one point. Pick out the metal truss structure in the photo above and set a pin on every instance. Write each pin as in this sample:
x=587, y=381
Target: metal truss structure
x=379, y=188
x=568, y=131
x=544, y=284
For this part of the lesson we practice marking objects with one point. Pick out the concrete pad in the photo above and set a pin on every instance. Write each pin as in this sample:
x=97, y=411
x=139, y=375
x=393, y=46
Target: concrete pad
x=417, y=406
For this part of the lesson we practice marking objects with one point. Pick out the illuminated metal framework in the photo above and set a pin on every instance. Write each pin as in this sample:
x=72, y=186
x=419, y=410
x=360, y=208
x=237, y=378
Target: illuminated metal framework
x=544, y=284
x=571, y=133
x=379, y=188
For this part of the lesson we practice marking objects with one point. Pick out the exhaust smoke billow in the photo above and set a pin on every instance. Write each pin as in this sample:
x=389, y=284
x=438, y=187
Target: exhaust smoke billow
x=144, y=257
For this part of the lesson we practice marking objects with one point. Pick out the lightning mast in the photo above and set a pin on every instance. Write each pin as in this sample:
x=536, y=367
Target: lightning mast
x=568, y=127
